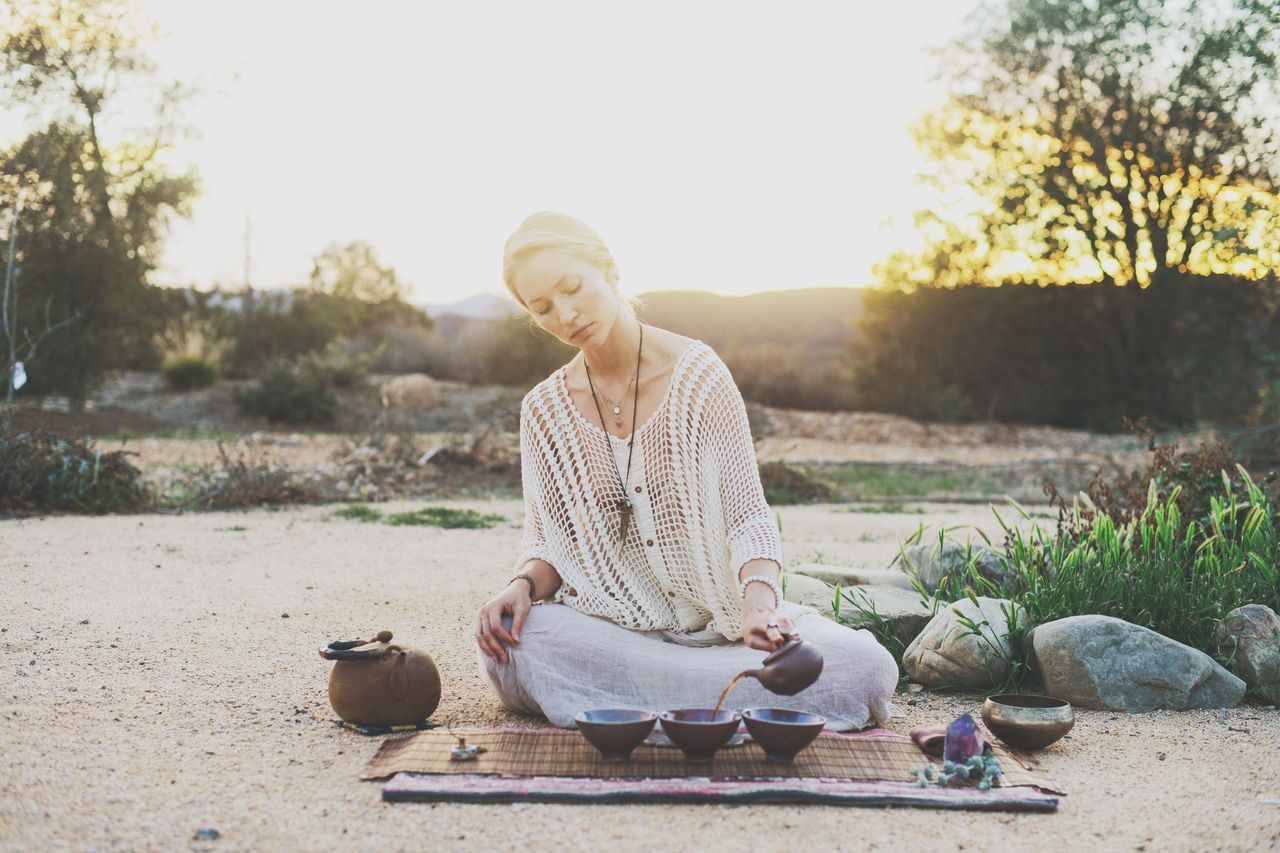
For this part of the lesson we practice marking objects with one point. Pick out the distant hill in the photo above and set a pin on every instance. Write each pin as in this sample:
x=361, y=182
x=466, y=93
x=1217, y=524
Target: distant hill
x=486, y=306
x=811, y=319
x=788, y=348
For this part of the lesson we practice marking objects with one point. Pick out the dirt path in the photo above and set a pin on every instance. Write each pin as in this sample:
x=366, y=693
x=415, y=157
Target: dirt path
x=187, y=700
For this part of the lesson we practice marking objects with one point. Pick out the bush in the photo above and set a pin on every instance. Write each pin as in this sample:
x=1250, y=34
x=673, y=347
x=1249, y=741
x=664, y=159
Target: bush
x=290, y=393
x=1175, y=575
x=1083, y=356
x=785, y=485
x=1194, y=478
x=337, y=367
x=41, y=472
x=189, y=373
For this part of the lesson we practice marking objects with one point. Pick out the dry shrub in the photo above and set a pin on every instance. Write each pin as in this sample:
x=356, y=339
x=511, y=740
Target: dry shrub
x=245, y=475
x=786, y=485
x=1196, y=475
x=40, y=471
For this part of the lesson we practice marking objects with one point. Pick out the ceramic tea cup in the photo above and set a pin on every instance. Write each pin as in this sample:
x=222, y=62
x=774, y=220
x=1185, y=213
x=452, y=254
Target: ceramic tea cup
x=782, y=733
x=616, y=732
x=699, y=732
x=1026, y=721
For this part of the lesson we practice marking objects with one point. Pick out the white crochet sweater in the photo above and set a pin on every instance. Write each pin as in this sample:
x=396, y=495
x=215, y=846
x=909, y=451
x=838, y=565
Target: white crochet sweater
x=700, y=512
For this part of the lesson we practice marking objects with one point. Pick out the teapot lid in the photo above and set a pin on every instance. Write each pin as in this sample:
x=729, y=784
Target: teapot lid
x=378, y=647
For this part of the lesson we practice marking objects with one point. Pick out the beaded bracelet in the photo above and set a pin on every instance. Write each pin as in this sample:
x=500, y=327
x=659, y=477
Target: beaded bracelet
x=773, y=585
x=527, y=579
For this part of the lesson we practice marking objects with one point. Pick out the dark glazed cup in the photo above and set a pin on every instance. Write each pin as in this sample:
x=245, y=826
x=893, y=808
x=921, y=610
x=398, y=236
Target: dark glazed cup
x=699, y=732
x=782, y=733
x=616, y=732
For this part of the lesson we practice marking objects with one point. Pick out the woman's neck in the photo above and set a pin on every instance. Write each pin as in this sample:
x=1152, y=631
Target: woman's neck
x=614, y=360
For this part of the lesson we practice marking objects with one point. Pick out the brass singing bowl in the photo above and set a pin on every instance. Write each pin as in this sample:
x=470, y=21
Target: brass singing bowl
x=1027, y=722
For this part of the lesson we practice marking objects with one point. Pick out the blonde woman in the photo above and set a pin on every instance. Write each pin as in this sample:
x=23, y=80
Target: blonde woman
x=648, y=544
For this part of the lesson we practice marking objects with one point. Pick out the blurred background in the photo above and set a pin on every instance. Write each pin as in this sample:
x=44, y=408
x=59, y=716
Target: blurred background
x=1032, y=212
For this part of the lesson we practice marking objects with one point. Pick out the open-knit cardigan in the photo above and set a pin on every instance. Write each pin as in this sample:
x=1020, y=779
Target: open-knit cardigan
x=699, y=509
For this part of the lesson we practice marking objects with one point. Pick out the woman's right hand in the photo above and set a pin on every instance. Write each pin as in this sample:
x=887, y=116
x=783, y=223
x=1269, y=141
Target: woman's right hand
x=490, y=633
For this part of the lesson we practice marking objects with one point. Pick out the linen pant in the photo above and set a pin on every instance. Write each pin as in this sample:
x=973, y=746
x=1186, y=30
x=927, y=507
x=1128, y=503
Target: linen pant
x=568, y=662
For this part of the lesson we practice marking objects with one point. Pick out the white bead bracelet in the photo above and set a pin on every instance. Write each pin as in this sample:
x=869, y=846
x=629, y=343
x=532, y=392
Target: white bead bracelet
x=773, y=585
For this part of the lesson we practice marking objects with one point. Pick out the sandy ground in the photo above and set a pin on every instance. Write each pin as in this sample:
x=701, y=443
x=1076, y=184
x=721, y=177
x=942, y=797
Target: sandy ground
x=187, y=700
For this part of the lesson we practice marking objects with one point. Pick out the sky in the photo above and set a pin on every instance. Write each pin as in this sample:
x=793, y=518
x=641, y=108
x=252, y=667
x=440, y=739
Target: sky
x=733, y=147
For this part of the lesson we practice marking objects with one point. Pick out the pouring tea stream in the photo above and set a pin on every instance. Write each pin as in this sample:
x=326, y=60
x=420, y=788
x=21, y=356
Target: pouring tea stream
x=787, y=670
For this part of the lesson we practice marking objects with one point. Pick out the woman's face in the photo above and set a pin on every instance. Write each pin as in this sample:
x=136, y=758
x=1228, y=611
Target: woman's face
x=568, y=297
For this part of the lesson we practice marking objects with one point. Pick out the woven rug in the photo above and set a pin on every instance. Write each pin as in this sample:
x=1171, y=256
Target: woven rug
x=413, y=787
x=558, y=765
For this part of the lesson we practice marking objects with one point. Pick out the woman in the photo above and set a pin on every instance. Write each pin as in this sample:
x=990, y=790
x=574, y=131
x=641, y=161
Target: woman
x=647, y=536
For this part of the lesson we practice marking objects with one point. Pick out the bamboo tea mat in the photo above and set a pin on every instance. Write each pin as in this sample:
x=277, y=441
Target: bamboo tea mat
x=876, y=755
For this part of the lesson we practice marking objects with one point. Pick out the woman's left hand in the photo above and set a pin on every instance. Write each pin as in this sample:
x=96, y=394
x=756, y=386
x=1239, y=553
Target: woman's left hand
x=762, y=628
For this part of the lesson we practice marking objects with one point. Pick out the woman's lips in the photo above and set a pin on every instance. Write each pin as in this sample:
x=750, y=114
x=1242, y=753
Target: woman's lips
x=580, y=332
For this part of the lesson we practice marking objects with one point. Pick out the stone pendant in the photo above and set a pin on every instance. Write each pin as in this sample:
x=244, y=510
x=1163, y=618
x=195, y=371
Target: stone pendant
x=624, y=514
x=617, y=410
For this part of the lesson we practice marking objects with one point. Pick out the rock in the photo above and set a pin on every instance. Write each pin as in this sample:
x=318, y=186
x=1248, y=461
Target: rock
x=811, y=592
x=412, y=392
x=900, y=608
x=906, y=616
x=946, y=653
x=1251, y=635
x=207, y=833
x=1108, y=663
x=848, y=576
x=932, y=564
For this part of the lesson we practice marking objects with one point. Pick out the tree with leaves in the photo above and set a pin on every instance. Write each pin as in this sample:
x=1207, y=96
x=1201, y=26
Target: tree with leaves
x=352, y=271
x=1104, y=140
x=96, y=203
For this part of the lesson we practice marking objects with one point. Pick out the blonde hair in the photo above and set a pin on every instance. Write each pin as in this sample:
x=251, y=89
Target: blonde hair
x=549, y=230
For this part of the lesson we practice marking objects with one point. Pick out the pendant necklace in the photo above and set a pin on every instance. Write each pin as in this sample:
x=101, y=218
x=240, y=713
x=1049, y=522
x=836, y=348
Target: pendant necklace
x=616, y=407
x=623, y=503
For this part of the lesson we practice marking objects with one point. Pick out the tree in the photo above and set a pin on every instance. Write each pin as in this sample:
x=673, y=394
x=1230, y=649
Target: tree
x=96, y=211
x=353, y=272
x=1104, y=140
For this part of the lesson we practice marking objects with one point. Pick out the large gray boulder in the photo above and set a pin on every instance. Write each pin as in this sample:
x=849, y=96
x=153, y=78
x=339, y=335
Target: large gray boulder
x=898, y=607
x=1251, y=635
x=1108, y=663
x=849, y=576
x=932, y=563
x=948, y=654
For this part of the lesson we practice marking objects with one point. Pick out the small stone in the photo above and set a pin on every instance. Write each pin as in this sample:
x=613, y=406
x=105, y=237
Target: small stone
x=914, y=688
x=284, y=615
x=84, y=621
x=207, y=833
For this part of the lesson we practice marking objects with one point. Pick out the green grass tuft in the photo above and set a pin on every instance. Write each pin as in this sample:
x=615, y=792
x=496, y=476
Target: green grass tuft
x=439, y=516
x=359, y=512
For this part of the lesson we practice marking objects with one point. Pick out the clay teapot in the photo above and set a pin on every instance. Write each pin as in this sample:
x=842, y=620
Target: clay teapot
x=791, y=667
x=377, y=682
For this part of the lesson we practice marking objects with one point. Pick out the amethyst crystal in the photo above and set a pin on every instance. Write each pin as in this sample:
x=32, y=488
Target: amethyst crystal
x=962, y=740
